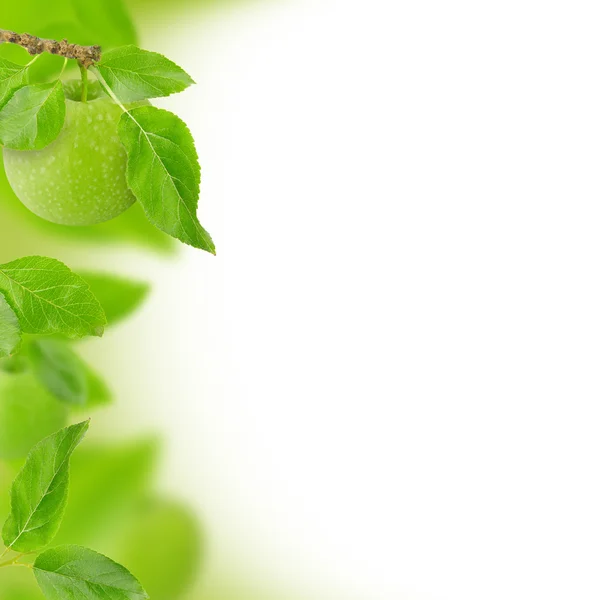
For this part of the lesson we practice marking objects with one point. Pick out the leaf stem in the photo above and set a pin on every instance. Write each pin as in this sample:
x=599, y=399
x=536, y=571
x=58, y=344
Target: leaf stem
x=13, y=561
x=32, y=61
x=84, y=82
x=63, y=68
x=109, y=91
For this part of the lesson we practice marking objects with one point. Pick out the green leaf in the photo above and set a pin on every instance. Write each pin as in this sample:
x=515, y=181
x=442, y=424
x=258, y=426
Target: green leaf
x=12, y=77
x=82, y=574
x=39, y=492
x=163, y=547
x=48, y=297
x=163, y=172
x=118, y=296
x=59, y=370
x=28, y=413
x=10, y=330
x=134, y=74
x=33, y=117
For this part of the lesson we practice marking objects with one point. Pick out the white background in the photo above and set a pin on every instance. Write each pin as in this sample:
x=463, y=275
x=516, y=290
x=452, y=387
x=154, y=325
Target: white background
x=386, y=385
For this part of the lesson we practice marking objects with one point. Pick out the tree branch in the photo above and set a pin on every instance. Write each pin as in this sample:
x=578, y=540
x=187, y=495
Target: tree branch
x=84, y=55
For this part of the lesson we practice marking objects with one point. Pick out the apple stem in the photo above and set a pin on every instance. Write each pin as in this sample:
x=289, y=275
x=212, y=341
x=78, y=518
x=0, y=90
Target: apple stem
x=84, y=82
x=85, y=55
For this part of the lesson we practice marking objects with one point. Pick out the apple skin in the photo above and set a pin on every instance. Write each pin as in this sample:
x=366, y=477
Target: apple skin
x=79, y=179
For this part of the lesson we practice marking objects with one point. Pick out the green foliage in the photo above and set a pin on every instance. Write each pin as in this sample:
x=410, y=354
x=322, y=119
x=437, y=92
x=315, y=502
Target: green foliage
x=162, y=163
x=38, y=503
x=77, y=572
x=10, y=330
x=33, y=117
x=12, y=77
x=48, y=297
x=163, y=172
x=98, y=393
x=59, y=370
x=39, y=493
x=108, y=481
x=134, y=74
x=118, y=296
x=107, y=23
x=110, y=503
x=28, y=413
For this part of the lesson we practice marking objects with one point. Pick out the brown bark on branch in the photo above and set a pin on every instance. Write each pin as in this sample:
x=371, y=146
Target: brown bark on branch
x=85, y=55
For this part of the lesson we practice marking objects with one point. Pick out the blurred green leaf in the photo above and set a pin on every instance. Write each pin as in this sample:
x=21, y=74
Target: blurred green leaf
x=48, y=297
x=39, y=492
x=107, y=483
x=10, y=330
x=163, y=548
x=28, y=413
x=99, y=393
x=59, y=370
x=118, y=296
x=14, y=364
x=82, y=574
x=107, y=23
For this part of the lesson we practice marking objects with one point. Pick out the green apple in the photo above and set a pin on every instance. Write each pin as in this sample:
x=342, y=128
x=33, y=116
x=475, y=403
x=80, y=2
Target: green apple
x=79, y=179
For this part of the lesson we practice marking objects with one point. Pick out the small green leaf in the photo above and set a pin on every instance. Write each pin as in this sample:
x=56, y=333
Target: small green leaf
x=118, y=296
x=134, y=74
x=28, y=413
x=163, y=172
x=48, y=297
x=33, y=117
x=10, y=330
x=39, y=492
x=82, y=574
x=12, y=77
x=60, y=370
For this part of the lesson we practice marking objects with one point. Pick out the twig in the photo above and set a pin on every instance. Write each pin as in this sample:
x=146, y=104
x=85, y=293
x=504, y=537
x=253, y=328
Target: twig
x=84, y=55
